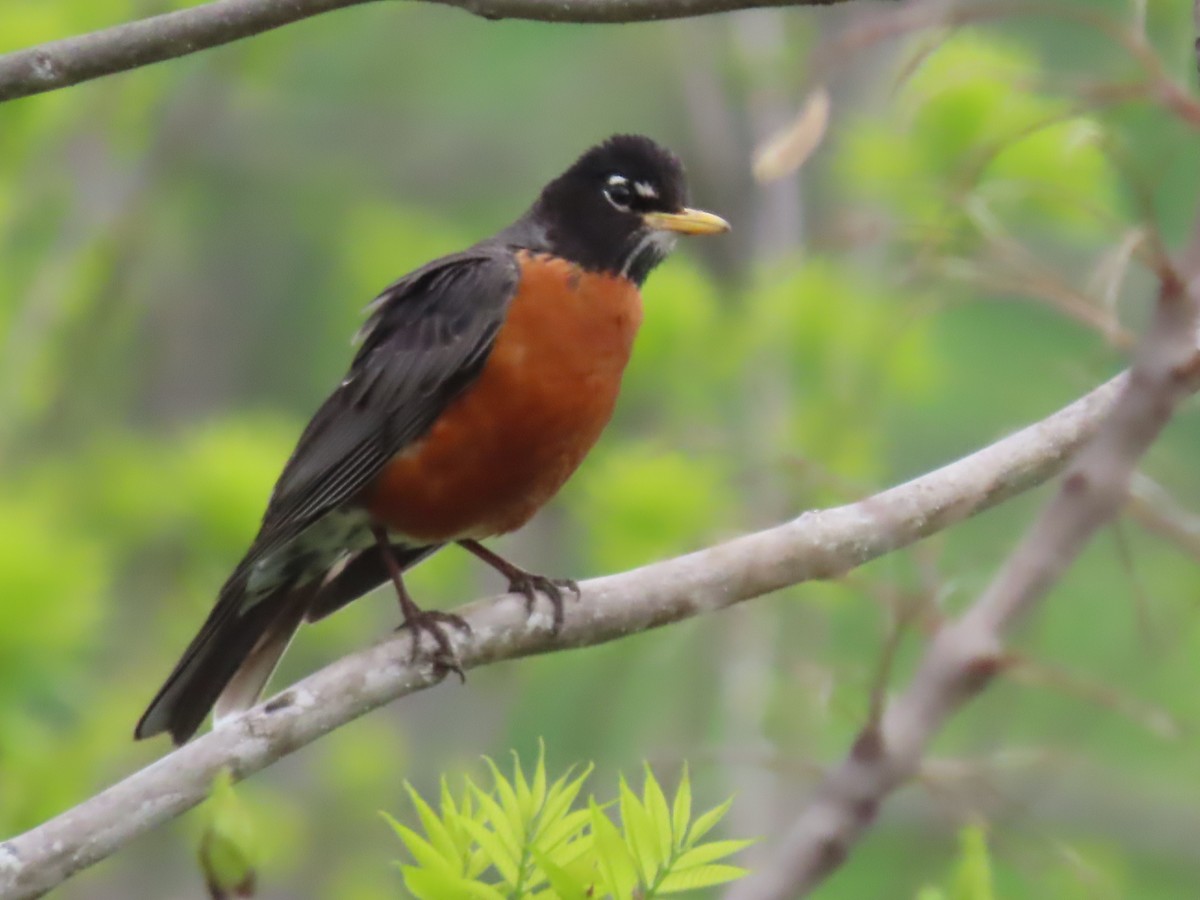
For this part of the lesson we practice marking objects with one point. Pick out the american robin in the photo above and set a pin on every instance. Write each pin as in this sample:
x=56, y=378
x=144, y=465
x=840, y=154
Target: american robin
x=481, y=381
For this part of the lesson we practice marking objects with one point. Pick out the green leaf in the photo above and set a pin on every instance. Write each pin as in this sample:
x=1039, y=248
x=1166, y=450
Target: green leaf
x=706, y=853
x=447, y=798
x=705, y=823
x=700, y=877
x=617, y=866
x=655, y=803
x=539, y=777
x=438, y=832
x=423, y=852
x=467, y=806
x=524, y=796
x=560, y=831
x=228, y=846
x=560, y=796
x=477, y=890
x=494, y=814
x=478, y=862
x=973, y=875
x=566, y=854
x=681, y=809
x=451, y=818
x=425, y=884
x=640, y=834
x=496, y=853
x=566, y=885
x=578, y=858
x=509, y=803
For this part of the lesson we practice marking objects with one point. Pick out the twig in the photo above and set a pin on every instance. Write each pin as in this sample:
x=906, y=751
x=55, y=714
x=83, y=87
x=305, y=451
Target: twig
x=817, y=545
x=1158, y=512
x=123, y=47
x=1037, y=674
x=967, y=652
x=1196, y=29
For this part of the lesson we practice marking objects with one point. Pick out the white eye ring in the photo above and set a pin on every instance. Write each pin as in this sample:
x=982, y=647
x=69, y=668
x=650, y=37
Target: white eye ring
x=617, y=192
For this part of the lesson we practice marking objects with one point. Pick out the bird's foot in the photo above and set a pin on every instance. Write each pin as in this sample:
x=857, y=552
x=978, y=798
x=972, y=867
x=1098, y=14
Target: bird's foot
x=526, y=583
x=529, y=585
x=435, y=623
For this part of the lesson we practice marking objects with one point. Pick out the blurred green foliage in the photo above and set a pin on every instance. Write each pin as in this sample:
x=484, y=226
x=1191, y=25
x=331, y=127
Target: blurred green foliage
x=184, y=254
x=982, y=137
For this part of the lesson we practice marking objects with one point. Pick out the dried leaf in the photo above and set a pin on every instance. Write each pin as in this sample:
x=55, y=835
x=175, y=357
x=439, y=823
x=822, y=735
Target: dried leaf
x=789, y=149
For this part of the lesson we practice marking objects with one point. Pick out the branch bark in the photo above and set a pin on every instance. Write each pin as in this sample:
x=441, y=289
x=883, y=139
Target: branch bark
x=72, y=60
x=818, y=545
x=967, y=652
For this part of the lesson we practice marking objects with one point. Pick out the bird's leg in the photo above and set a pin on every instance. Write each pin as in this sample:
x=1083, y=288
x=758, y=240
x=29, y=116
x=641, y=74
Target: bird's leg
x=431, y=621
x=527, y=583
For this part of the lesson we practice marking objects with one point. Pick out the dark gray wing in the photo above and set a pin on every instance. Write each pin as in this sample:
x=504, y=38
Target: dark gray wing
x=427, y=338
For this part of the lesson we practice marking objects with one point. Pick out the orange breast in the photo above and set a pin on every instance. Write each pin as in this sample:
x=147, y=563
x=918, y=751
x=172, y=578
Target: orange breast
x=510, y=441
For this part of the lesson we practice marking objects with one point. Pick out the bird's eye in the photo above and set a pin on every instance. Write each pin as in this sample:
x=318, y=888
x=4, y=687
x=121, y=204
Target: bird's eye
x=618, y=193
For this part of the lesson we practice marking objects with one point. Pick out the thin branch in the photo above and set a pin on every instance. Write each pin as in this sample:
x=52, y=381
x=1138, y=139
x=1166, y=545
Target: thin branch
x=1196, y=30
x=817, y=545
x=72, y=60
x=965, y=653
x=1156, y=510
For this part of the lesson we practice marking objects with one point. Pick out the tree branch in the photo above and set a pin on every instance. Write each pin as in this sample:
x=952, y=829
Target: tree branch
x=817, y=545
x=73, y=60
x=967, y=652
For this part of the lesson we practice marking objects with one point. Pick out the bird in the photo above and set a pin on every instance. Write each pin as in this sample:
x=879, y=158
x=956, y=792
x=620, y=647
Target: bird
x=479, y=382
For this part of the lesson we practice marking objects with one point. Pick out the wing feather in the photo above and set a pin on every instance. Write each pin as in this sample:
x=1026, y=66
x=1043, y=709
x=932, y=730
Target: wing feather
x=427, y=339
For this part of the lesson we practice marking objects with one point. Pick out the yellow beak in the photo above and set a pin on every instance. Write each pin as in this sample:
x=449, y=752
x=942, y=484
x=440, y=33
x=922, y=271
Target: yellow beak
x=687, y=221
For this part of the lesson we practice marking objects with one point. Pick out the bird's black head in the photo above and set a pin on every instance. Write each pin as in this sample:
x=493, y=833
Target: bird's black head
x=619, y=208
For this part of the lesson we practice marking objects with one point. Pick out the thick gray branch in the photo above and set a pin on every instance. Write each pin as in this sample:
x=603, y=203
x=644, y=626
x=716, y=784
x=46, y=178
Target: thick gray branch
x=967, y=652
x=73, y=60
x=819, y=544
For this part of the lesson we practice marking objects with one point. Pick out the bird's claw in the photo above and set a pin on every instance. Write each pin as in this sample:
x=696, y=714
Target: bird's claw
x=434, y=623
x=529, y=585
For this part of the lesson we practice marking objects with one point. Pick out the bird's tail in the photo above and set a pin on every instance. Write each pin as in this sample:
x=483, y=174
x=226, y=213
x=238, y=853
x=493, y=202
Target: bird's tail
x=229, y=661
